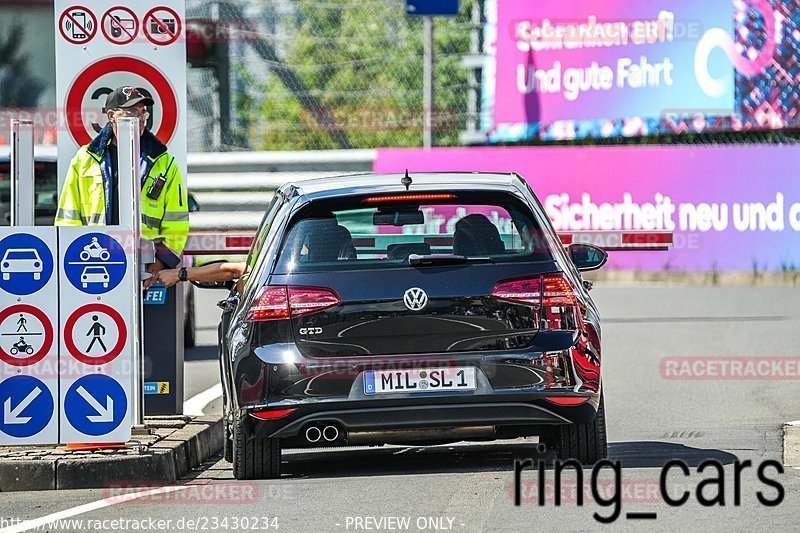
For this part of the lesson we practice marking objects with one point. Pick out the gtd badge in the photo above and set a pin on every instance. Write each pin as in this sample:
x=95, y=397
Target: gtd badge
x=415, y=299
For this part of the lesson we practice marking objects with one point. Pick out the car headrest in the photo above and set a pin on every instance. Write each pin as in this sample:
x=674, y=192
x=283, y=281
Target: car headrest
x=476, y=236
x=328, y=241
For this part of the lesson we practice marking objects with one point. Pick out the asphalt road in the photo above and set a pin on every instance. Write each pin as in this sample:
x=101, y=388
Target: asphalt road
x=654, y=414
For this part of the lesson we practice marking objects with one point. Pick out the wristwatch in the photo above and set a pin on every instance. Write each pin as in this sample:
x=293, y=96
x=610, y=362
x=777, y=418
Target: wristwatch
x=182, y=275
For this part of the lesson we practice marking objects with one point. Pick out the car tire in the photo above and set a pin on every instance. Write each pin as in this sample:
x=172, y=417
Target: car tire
x=189, y=328
x=586, y=443
x=255, y=457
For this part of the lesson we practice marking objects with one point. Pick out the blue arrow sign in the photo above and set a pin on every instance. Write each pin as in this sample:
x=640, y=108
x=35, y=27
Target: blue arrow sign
x=95, y=263
x=26, y=405
x=26, y=264
x=95, y=404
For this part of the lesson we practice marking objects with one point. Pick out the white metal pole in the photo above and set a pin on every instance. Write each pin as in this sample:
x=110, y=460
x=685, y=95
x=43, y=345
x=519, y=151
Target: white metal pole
x=130, y=190
x=22, y=182
x=430, y=78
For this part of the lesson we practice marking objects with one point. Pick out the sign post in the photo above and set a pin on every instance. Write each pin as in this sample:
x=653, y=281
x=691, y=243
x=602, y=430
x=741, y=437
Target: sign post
x=129, y=157
x=22, y=181
x=29, y=365
x=429, y=9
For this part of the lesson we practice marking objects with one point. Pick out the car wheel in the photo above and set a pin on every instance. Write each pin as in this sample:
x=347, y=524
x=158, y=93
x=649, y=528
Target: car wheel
x=6, y=277
x=255, y=457
x=189, y=329
x=37, y=276
x=586, y=443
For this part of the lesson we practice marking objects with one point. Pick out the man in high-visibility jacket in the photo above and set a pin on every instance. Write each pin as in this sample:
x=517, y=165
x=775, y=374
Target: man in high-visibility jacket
x=91, y=191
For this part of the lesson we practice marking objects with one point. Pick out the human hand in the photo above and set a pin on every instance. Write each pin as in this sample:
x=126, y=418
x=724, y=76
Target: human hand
x=168, y=277
x=153, y=269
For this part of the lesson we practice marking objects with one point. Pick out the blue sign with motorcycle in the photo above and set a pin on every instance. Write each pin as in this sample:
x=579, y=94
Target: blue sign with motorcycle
x=95, y=404
x=95, y=263
x=26, y=264
x=27, y=406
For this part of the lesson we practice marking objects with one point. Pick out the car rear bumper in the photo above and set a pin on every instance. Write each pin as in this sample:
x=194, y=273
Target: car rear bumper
x=500, y=410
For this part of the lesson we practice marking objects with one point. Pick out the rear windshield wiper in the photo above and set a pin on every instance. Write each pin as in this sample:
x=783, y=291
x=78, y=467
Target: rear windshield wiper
x=444, y=260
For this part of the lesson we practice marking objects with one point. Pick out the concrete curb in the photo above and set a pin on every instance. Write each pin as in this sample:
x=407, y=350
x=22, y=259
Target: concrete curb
x=791, y=444
x=177, y=447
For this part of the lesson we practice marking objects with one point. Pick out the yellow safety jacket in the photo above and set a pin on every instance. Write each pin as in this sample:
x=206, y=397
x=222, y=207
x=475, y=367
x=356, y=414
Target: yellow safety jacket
x=85, y=199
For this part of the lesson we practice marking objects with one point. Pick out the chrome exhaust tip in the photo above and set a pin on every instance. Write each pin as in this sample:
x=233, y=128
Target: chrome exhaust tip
x=313, y=434
x=331, y=433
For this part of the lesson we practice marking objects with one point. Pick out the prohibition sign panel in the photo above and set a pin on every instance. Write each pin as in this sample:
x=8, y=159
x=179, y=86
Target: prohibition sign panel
x=78, y=25
x=101, y=332
x=165, y=95
x=34, y=330
x=162, y=26
x=120, y=25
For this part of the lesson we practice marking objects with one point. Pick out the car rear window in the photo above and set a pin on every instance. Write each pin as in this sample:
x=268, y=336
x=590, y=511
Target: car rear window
x=378, y=232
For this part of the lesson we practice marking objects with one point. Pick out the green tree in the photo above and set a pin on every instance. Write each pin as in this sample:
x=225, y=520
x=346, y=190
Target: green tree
x=363, y=61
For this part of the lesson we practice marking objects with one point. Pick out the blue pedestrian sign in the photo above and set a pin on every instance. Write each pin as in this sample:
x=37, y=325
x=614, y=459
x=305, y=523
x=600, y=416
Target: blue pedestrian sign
x=95, y=263
x=26, y=264
x=95, y=405
x=432, y=8
x=27, y=406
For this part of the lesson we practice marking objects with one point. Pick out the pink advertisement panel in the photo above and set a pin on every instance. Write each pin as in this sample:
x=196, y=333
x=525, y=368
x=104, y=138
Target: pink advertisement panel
x=732, y=208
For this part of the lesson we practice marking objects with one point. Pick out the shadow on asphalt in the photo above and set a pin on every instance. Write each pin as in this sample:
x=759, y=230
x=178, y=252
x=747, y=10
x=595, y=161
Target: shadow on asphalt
x=378, y=461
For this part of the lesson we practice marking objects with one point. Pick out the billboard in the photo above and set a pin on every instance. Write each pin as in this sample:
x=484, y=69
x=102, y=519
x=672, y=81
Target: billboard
x=731, y=208
x=565, y=69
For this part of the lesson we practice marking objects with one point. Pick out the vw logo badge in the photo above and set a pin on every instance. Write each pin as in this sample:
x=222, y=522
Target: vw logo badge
x=415, y=299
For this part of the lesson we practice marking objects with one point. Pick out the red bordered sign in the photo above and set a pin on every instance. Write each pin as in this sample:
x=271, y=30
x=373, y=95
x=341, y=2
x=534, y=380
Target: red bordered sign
x=47, y=341
x=78, y=25
x=120, y=25
x=113, y=351
x=165, y=95
x=162, y=26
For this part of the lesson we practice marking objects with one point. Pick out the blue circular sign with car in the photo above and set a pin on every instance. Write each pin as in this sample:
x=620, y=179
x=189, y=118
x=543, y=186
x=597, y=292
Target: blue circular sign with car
x=95, y=263
x=26, y=264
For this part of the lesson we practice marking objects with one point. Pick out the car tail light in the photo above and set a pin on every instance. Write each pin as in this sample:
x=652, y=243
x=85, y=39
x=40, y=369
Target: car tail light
x=527, y=291
x=272, y=414
x=557, y=291
x=281, y=302
x=552, y=292
x=271, y=304
x=307, y=300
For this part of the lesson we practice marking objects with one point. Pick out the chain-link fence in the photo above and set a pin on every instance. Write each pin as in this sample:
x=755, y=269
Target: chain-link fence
x=310, y=74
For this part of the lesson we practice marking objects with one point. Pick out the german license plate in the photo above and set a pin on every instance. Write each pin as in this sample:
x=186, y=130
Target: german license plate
x=420, y=380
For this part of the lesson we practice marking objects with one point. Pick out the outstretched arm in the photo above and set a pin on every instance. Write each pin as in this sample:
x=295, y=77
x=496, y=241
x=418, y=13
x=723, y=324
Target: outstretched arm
x=212, y=273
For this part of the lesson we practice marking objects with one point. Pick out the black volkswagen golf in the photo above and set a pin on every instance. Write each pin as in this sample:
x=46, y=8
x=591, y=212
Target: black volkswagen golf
x=392, y=309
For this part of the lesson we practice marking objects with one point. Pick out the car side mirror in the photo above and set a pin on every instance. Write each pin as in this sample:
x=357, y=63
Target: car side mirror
x=587, y=257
